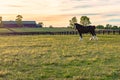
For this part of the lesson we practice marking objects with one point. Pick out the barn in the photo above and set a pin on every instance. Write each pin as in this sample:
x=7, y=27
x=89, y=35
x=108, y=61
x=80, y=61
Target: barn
x=13, y=24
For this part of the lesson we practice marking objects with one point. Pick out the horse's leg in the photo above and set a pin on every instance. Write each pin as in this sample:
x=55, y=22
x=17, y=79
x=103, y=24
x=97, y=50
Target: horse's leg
x=80, y=36
x=90, y=38
x=94, y=36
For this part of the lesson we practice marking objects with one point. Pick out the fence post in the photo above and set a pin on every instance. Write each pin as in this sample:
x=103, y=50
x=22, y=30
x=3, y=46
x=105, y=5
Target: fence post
x=73, y=32
x=99, y=32
x=76, y=32
x=103, y=32
x=113, y=32
x=108, y=32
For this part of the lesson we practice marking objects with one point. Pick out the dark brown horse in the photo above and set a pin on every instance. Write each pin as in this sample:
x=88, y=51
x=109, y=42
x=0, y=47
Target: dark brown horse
x=86, y=29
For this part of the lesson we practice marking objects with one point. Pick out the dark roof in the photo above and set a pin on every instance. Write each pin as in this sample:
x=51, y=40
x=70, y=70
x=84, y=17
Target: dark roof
x=14, y=24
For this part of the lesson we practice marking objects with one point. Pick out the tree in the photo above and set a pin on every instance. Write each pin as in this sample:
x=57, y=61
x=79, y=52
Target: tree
x=100, y=27
x=1, y=24
x=50, y=26
x=40, y=24
x=108, y=26
x=19, y=20
x=72, y=21
x=115, y=27
x=0, y=19
x=119, y=27
x=85, y=21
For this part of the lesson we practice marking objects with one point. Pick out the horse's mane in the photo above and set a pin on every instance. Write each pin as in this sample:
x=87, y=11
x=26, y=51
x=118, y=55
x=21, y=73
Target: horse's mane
x=78, y=24
x=84, y=26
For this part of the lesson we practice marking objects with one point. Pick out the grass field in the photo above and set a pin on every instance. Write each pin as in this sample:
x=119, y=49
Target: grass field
x=5, y=30
x=59, y=57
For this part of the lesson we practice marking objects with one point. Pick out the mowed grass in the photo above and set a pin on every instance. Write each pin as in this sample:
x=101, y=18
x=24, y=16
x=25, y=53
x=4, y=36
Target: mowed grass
x=59, y=57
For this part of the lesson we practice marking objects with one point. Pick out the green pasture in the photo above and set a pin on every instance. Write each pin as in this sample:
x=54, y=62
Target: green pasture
x=5, y=30
x=59, y=57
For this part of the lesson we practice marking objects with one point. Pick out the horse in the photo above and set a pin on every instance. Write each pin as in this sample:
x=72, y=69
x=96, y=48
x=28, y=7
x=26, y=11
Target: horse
x=86, y=29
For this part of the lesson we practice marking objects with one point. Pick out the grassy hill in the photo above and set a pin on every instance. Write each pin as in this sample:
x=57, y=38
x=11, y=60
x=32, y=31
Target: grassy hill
x=59, y=57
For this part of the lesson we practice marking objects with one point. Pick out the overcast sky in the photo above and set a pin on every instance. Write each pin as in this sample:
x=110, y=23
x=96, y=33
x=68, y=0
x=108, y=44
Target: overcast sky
x=59, y=12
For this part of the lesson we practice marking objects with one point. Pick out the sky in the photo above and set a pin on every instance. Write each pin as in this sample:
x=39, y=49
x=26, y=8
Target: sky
x=58, y=12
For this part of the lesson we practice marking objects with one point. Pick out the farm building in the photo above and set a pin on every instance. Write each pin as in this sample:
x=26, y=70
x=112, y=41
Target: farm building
x=13, y=24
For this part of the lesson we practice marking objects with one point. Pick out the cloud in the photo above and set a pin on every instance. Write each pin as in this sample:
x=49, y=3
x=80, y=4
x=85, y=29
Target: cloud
x=114, y=20
x=90, y=14
x=112, y=14
x=15, y=6
x=100, y=11
x=82, y=6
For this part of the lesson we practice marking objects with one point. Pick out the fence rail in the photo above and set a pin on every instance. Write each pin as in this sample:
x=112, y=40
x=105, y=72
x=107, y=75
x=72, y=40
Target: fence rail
x=108, y=32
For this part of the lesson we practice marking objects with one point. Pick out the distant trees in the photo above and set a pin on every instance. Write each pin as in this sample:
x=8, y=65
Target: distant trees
x=70, y=24
x=84, y=20
x=108, y=26
x=50, y=26
x=72, y=21
x=100, y=27
x=19, y=20
x=1, y=21
x=40, y=24
x=115, y=27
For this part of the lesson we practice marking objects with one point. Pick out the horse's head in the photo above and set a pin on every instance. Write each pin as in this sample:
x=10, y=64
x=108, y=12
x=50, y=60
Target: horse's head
x=76, y=25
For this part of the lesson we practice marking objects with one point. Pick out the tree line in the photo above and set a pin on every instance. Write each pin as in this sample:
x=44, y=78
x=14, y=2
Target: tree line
x=85, y=21
x=108, y=26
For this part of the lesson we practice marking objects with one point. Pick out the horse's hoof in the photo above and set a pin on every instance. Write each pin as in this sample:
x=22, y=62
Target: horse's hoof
x=90, y=39
x=80, y=39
